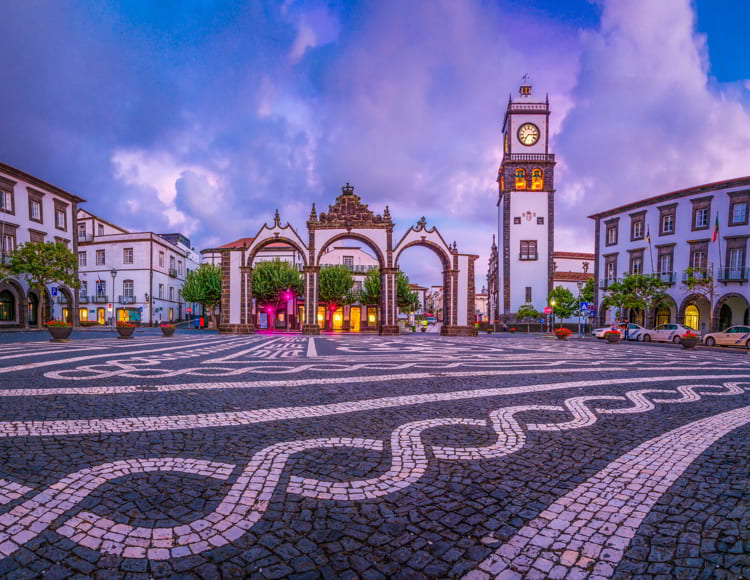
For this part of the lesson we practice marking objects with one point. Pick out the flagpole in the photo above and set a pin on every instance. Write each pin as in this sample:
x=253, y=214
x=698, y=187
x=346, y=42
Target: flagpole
x=650, y=250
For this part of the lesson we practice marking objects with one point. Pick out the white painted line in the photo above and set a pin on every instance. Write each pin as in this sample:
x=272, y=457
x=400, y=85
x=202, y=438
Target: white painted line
x=613, y=504
x=311, y=350
x=269, y=415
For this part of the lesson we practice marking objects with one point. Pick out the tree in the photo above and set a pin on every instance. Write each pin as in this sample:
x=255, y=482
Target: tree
x=702, y=282
x=370, y=292
x=406, y=298
x=564, y=302
x=587, y=292
x=43, y=263
x=204, y=287
x=335, y=287
x=272, y=280
x=527, y=312
x=637, y=292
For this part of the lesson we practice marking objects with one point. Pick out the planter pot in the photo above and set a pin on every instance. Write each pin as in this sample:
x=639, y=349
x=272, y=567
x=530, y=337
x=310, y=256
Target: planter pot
x=688, y=342
x=167, y=330
x=423, y=329
x=613, y=338
x=125, y=331
x=561, y=337
x=60, y=333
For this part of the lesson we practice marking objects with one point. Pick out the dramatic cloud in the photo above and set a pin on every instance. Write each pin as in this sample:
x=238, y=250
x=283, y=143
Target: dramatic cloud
x=207, y=118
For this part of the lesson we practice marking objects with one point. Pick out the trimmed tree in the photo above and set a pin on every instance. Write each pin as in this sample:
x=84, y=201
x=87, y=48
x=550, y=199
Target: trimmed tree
x=527, y=312
x=565, y=302
x=43, y=263
x=204, y=287
x=636, y=292
x=271, y=280
x=406, y=298
x=335, y=288
x=702, y=282
x=587, y=292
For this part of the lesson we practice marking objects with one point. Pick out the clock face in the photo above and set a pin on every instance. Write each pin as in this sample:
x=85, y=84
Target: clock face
x=528, y=134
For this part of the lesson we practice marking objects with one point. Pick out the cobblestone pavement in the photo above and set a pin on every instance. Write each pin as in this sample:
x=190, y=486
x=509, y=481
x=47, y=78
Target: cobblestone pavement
x=207, y=456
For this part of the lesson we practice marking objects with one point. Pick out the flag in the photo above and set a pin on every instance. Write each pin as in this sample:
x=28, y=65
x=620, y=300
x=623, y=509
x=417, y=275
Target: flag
x=648, y=235
x=715, y=235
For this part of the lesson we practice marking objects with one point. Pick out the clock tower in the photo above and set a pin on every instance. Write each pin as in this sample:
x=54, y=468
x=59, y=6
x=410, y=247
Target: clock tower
x=526, y=206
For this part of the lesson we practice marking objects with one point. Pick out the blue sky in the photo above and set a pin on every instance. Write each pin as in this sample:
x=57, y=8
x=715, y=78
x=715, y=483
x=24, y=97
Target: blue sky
x=204, y=116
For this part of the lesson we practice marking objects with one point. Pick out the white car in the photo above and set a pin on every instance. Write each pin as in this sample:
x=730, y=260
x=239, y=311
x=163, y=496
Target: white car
x=732, y=336
x=665, y=333
x=634, y=330
x=599, y=332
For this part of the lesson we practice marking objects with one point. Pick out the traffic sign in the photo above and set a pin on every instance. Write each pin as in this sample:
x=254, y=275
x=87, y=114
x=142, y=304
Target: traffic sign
x=190, y=310
x=584, y=305
x=53, y=290
x=548, y=310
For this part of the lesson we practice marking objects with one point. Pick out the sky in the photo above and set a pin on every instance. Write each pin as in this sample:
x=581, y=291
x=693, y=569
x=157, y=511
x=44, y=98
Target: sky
x=204, y=116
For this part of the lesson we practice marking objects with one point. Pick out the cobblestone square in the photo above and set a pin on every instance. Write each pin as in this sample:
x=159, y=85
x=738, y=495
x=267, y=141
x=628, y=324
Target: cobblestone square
x=342, y=456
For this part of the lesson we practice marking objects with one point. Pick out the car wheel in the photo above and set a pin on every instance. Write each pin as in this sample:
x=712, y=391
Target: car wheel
x=646, y=338
x=676, y=340
x=710, y=341
x=747, y=344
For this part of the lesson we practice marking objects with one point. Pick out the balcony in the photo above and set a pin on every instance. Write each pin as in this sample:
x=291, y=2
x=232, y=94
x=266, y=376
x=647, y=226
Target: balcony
x=733, y=274
x=528, y=257
x=356, y=269
x=665, y=277
x=99, y=299
x=83, y=299
x=696, y=275
x=606, y=283
x=84, y=237
x=126, y=299
x=549, y=157
x=173, y=272
x=61, y=299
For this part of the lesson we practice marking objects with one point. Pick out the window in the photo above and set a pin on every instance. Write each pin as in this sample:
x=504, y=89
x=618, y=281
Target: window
x=9, y=243
x=701, y=218
x=83, y=291
x=60, y=218
x=127, y=288
x=171, y=293
x=83, y=314
x=537, y=179
x=665, y=265
x=161, y=290
x=100, y=230
x=100, y=261
x=81, y=259
x=127, y=255
x=161, y=259
x=349, y=262
x=520, y=178
x=540, y=221
x=171, y=262
x=35, y=236
x=35, y=209
x=739, y=213
x=636, y=264
x=528, y=250
x=662, y=316
x=528, y=294
x=610, y=269
x=692, y=317
x=698, y=260
x=62, y=241
x=6, y=202
x=81, y=231
x=179, y=267
x=171, y=314
x=667, y=219
x=101, y=287
x=637, y=225
x=7, y=306
x=517, y=221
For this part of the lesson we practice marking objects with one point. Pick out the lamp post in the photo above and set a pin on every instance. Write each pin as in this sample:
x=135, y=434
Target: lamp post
x=552, y=303
x=580, y=286
x=114, y=275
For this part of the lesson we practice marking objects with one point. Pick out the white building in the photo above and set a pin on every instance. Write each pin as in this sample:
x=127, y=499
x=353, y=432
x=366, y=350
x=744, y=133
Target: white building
x=681, y=226
x=32, y=210
x=135, y=276
x=525, y=205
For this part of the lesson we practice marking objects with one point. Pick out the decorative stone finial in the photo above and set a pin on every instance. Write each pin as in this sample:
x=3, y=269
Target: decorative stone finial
x=387, y=214
x=493, y=241
x=313, y=213
x=422, y=223
x=277, y=218
x=347, y=189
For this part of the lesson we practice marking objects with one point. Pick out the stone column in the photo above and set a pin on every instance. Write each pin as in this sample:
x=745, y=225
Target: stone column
x=247, y=323
x=388, y=324
x=224, y=314
x=310, y=325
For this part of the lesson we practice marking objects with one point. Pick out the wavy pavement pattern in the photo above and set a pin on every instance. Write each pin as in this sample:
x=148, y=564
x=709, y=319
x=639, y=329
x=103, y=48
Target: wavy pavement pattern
x=585, y=533
x=249, y=495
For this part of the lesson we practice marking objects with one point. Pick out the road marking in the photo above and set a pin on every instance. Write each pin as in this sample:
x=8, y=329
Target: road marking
x=268, y=415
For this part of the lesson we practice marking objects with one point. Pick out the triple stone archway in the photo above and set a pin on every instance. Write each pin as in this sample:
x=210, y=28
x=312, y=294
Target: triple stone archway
x=349, y=218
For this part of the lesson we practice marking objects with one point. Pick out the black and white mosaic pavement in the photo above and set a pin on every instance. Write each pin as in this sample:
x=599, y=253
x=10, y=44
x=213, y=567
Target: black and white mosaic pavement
x=205, y=456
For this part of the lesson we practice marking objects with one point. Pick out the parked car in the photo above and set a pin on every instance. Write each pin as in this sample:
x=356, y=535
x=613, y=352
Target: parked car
x=665, y=333
x=634, y=331
x=732, y=336
x=431, y=320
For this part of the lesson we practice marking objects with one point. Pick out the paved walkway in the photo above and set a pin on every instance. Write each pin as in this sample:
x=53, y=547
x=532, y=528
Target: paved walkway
x=207, y=456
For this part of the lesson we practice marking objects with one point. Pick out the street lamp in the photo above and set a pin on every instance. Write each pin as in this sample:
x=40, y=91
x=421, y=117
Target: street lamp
x=114, y=275
x=580, y=286
x=552, y=303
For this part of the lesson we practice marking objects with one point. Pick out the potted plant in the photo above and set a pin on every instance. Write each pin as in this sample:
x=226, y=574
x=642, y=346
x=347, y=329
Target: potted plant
x=489, y=330
x=423, y=328
x=689, y=339
x=167, y=329
x=563, y=333
x=59, y=330
x=612, y=336
x=125, y=329
x=512, y=329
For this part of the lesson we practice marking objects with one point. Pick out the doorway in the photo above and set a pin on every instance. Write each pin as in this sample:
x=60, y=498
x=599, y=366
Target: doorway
x=338, y=318
x=725, y=317
x=355, y=314
x=692, y=317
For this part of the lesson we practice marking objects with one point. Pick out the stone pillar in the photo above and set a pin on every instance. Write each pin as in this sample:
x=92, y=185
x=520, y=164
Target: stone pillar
x=388, y=324
x=224, y=314
x=247, y=324
x=310, y=325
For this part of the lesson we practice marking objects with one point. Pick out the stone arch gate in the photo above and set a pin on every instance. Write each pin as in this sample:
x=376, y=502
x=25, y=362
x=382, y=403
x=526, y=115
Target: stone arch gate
x=349, y=218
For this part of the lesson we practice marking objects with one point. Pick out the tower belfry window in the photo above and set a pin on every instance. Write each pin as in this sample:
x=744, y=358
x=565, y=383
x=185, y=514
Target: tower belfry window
x=520, y=178
x=537, y=179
